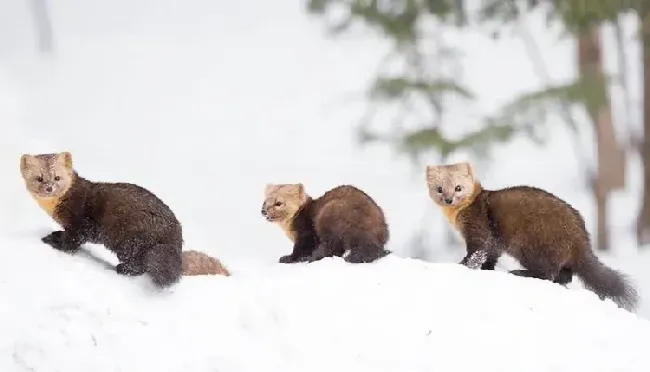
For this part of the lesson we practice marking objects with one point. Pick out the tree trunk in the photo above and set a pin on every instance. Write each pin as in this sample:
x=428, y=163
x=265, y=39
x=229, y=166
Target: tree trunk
x=610, y=173
x=43, y=23
x=643, y=222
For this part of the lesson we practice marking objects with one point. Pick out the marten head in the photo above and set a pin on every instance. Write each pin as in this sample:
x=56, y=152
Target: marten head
x=283, y=201
x=47, y=175
x=451, y=185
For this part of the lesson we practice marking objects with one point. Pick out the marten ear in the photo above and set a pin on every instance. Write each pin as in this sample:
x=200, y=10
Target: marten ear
x=466, y=168
x=300, y=189
x=269, y=188
x=66, y=159
x=431, y=172
x=25, y=161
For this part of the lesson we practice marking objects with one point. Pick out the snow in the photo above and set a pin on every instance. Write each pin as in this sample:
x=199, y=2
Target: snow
x=204, y=104
x=69, y=313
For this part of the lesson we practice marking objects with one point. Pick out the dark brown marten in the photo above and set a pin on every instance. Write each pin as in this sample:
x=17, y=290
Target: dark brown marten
x=127, y=219
x=544, y=233
x=343, y=220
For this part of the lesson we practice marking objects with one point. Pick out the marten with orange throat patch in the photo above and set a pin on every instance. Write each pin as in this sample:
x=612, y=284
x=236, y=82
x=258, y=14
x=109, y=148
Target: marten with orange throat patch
x=127, y=219
x=344, y=220
x=544, y=233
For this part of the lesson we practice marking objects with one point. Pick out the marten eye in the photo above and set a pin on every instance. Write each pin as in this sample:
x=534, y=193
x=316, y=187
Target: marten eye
x=39, y=179
x=57, y=178
x=439, y=189
x=278, y=204
x=458, y=188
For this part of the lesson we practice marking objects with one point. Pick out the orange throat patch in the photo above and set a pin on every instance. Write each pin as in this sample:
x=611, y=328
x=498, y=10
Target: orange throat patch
x=287, y=227
x=452, y=212
x=48, y=204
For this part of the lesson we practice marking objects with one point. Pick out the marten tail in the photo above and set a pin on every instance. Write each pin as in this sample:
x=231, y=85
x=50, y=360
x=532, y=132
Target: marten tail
x=606, y=282
x=164, y=264
x=199, y=263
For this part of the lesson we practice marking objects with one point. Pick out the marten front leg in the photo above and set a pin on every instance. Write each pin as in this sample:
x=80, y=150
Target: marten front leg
x=490, y=258
x=291, y=258
x=475, y=259
x=67, y=241
x=491, y=261
x=481, y=249
x=131, y=260
x=54, y=239
x=302, y=249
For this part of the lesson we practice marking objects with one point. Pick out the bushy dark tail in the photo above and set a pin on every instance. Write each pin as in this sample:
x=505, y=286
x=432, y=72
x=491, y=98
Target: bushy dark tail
x=606, y=282
x=164, y=263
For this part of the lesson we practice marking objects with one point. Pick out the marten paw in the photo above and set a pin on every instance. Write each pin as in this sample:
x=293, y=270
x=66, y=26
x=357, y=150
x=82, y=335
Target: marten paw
x=54, y=239
x=476, y=259
x=59, y=241
x=286, y=259
x=294, y=259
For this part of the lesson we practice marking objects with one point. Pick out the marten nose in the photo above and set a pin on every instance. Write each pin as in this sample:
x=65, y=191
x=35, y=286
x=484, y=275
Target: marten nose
x=263, y=212
x=449, y=200
x=48, y=189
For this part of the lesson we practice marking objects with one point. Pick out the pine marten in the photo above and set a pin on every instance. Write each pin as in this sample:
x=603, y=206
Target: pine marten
x=544, y=233
x=343, y=220
x=127, y=219
x=199, y=263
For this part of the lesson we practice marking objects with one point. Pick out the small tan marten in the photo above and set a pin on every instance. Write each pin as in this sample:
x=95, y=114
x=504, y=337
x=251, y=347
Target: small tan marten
x=545, y=234
x=343, y=220
x=127, y=219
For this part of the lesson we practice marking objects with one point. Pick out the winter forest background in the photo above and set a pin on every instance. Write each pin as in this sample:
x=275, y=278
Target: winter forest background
x=205, y=102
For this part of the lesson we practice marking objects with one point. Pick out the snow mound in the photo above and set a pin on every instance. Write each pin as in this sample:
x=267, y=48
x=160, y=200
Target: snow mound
x=73, y=313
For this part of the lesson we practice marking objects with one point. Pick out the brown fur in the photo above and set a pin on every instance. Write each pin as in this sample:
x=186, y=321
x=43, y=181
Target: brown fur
x=344, y=219
x=199, y=263
x=543, y=232
x=127, y=219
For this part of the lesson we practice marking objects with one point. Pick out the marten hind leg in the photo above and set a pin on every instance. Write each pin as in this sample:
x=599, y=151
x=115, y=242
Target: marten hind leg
x=322, y=251
x=537, y=273
x=131, y=257
x=327, y=248
x=564, y=277
x=545, y=263
x=529, y=274
x=129, y=269
x=366, y=254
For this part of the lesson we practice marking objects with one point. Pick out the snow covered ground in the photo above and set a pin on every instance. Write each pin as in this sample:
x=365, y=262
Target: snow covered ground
x=204, y=104
x=63, y=313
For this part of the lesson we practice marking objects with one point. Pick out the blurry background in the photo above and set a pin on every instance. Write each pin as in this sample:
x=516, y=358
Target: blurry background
x=204, y=102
